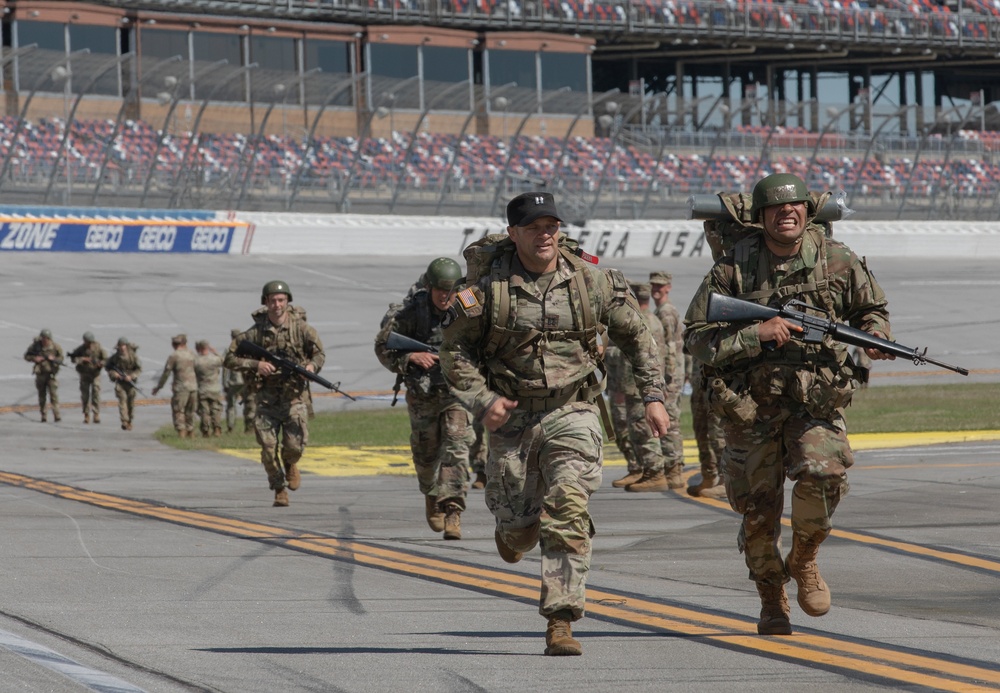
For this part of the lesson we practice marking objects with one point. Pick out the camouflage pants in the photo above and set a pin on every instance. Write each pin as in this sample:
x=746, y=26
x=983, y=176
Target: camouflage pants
x=646, y=447
x=48, y=388
x=623, y=441
x=126, y=402
x=90, y=395
x=708, y=431
x=210, y=412
x=232, y=395
x=183, y=405
x=543, y=467
x=249, y=410
x=439, y=443
x=288, y=420
x=479, y=450
x=672, y=442
x=783, y=442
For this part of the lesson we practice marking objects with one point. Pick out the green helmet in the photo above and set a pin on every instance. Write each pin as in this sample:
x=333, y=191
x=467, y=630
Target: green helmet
x=777, y=189
x=45, y=334
x=275, y=287
x=443, y=273
x=88, y=337
x=123, y=340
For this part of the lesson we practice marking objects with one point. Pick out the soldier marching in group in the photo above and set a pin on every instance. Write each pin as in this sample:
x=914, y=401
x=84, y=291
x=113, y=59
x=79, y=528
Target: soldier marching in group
x=782, y=400
x=89, y=358
x=522, y=354
x=282, y=411
x=47, y=357
x=124, y=367
x=208, y=372
x=184, y=402
x=441, y=432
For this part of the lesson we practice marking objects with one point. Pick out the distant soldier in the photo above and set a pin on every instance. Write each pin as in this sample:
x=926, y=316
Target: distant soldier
x=47, y=357
x=123, y=368
x=673, y=373
x=208, y=371
x=89, y=358
x=648, y=452
x=235, y=390
x=180, y=365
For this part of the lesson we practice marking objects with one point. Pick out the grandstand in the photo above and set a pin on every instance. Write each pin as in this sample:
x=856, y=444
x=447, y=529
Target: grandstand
x=450, y=106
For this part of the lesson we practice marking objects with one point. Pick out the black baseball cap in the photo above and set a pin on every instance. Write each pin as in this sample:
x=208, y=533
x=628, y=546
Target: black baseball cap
x=527, y=207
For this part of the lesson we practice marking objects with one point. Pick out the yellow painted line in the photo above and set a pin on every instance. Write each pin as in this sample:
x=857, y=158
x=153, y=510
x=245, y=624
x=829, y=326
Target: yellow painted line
x=926, y=670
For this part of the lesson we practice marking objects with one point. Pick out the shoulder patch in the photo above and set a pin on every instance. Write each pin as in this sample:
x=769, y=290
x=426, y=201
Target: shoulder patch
x=468, y=299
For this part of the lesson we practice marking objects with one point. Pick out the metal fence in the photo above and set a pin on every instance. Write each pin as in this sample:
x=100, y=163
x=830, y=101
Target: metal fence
x=68, y=140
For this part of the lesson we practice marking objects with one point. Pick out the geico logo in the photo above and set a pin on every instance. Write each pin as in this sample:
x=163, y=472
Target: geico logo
x=208, y=238
x=157, y=238
x=22, y=235
x=104, y=237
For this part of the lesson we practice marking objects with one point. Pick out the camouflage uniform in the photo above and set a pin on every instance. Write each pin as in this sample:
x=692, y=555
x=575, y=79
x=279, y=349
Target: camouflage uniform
x=129, y=364
x=184, y=402
x=46, y=367
x=799, y=391
x=441, y=431
x=281, y=408
x=545, y=461
x=208, y=371
x=614, y=362
x=643, y=444
x=89, y=358
x=673, y=370
x=235, y=389
x=708, y=431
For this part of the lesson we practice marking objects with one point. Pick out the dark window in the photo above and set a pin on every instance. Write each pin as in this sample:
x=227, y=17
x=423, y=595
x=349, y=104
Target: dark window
x=564, y=70
x=99, y=39
x=446, y=64
x=513, y=66
x=332, y=57
x=389, y=60
x=221, y=83
x=273, y=53
x=45, y=35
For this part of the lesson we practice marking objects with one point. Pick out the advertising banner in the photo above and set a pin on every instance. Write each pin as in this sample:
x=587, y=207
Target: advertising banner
x=121, y=236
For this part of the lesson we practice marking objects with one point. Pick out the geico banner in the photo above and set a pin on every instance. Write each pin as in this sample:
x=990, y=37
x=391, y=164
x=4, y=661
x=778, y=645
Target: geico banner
x=132, y=236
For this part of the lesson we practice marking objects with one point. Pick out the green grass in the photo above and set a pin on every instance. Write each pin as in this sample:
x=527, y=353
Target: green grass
x=900, y=409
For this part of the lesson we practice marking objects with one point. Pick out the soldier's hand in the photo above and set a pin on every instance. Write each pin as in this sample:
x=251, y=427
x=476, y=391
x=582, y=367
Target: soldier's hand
x=657, y=418
x=423, y=359
x=777, y=330
x=877, y=355
x=498, y=413
x=265, y=368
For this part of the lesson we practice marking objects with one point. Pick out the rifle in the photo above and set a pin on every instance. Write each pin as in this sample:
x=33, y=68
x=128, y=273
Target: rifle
x=398, y=342
x=248, y=349
x=127, y=383
x=729, y=309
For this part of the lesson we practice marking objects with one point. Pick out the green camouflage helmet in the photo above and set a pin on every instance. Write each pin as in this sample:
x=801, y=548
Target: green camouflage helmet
x=778, y=189
x=442, y=274
x=45, y=334
x=88, y=337
x=275, y=287
x=123, y=340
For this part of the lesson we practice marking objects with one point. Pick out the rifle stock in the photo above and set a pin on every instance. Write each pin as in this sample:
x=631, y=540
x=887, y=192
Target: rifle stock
x=250, y=350
x=723, y=308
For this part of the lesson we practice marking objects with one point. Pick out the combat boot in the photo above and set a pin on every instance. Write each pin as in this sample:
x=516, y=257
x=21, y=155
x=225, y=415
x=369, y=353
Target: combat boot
x=86, y=417
x=182, y=433
x=813, y=595
x=774, y=611
x=675, y=476
x=453, y=521
x=97, y=417
x=128, y=425
x=204, y=434
x=217, y=432
x=629, y=478
x=435, y=518
x=281, y=499
x=480, y=482
x=651, y=481
x=292, y=476
x=43, y=416
x=559, y=641
x=710, y=486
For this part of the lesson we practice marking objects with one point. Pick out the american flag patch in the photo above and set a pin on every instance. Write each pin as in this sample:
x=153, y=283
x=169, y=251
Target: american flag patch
x=467, y=298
